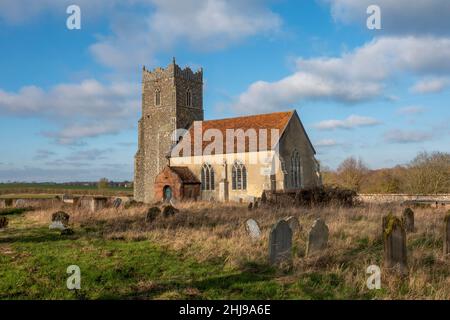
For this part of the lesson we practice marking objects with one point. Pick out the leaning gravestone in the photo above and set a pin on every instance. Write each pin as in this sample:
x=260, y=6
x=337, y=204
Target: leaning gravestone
x=447, y=235
x=169, y=211
x=250, y=206
x=408, y=220
x=394, y=236
x=3, y=222
x=293, y=223
x=256, y=205
x=280, y=242
x=117, y=202
x=317, y=238
x=253, y=229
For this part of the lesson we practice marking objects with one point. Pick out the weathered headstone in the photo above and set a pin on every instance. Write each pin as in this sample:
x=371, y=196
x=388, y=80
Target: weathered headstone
x=280, y=243
x=20, y=203
x=61, y=216
x=152, y=214
x=394, y=236
x=3, y=222
x=255, y=205
x=253, y=229
x=317, y=238
x=264, y=197
x=293, y=223
x=117, y=202
x=169, y=211
x=250, y=206
x=408, y=220
x=447, y=235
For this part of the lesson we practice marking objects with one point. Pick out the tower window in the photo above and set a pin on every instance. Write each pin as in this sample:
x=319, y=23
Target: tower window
x=239, y=176
x=188, y=98
x=207, y=177
x=157, y=97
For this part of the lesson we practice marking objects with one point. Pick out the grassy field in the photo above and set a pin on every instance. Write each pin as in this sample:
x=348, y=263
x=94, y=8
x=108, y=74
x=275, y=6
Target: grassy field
x=36, y=190
x=203, y=252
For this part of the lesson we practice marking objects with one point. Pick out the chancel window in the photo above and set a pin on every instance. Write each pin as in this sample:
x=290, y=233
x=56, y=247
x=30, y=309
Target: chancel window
x=295, y=170
x=239, y=176
x=207, y=177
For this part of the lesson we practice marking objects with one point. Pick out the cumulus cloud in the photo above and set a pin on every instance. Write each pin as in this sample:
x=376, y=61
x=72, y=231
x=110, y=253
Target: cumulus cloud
x=399, y=17
x=432, y=85
x=212, y=24
x=355, y=76
x=85, y=109
x=351, y=122
x=402, y=136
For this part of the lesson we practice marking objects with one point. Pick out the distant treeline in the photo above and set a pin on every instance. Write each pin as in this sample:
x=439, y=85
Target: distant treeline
x=427, y=173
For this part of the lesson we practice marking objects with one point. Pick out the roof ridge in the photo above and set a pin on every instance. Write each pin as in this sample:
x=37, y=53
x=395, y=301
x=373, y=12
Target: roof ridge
x=248, y=116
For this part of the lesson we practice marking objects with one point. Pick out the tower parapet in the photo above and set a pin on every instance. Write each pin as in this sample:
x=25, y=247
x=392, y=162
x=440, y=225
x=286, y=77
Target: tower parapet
x=173, y=70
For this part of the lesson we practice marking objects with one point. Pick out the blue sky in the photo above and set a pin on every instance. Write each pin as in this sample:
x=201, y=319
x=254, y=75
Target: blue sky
x=70, y=99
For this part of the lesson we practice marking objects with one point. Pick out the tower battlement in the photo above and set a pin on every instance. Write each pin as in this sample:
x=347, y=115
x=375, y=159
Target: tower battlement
x=172, y=70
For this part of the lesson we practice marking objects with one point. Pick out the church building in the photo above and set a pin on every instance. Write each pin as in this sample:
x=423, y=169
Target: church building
x=182, y=156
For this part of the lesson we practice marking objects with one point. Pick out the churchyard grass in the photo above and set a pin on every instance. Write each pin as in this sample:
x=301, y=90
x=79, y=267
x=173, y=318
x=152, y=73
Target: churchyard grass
x=204, y=252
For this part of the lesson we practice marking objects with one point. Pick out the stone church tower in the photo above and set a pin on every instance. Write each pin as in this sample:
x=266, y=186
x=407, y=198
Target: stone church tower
x=172, y=98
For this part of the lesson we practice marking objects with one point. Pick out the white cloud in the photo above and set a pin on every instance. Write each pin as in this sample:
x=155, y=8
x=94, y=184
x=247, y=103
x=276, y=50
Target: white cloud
x=203, y=25
x=432, y=85
x=424, y=17
x=402, y=136
x=356, y=76
x=85, y=109
x=352, y=121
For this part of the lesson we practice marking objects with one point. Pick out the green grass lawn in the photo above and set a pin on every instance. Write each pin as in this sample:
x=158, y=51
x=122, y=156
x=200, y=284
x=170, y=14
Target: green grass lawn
x=34, y=261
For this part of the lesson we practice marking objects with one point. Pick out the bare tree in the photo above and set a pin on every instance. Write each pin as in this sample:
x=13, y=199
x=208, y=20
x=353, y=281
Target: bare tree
x=351, y=173
x=429, y=173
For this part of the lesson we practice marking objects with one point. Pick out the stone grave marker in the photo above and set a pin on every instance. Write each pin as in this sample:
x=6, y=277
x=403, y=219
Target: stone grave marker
x=117, y=202
x=317, y=238
x=408, y=220
x=394, y=236
x=447, y=235
x=293, y=223
x=253, y=229
x=280, y=243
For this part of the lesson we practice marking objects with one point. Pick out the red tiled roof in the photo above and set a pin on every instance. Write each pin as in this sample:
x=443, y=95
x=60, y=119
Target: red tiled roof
x=276, y=120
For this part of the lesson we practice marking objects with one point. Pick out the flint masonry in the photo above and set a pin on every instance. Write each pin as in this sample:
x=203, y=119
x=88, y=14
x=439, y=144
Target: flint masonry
x=172, y=99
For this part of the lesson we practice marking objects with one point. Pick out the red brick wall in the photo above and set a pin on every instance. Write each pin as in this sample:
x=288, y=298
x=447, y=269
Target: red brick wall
x=168, y=178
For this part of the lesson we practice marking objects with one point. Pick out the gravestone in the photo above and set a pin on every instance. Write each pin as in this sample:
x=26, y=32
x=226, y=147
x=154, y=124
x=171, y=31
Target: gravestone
x=263, y=198
x=250, y=206
x=20, y=203
x=255, y=205
x=152, y=214
x=117, y=202
x=408, y=220
x=280, y=243
x=394, y=236
x=447, y=235
x=61, y=216
x=169, y=211
x=253, y=229
x=317, y=238
x=3, y=222
x=293, y=223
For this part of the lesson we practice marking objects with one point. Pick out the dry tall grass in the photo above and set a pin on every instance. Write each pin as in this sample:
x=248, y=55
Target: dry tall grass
x=207, y=231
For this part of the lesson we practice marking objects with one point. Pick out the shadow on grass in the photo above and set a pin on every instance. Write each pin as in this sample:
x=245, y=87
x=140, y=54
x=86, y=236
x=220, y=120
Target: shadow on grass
x=35, y=235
